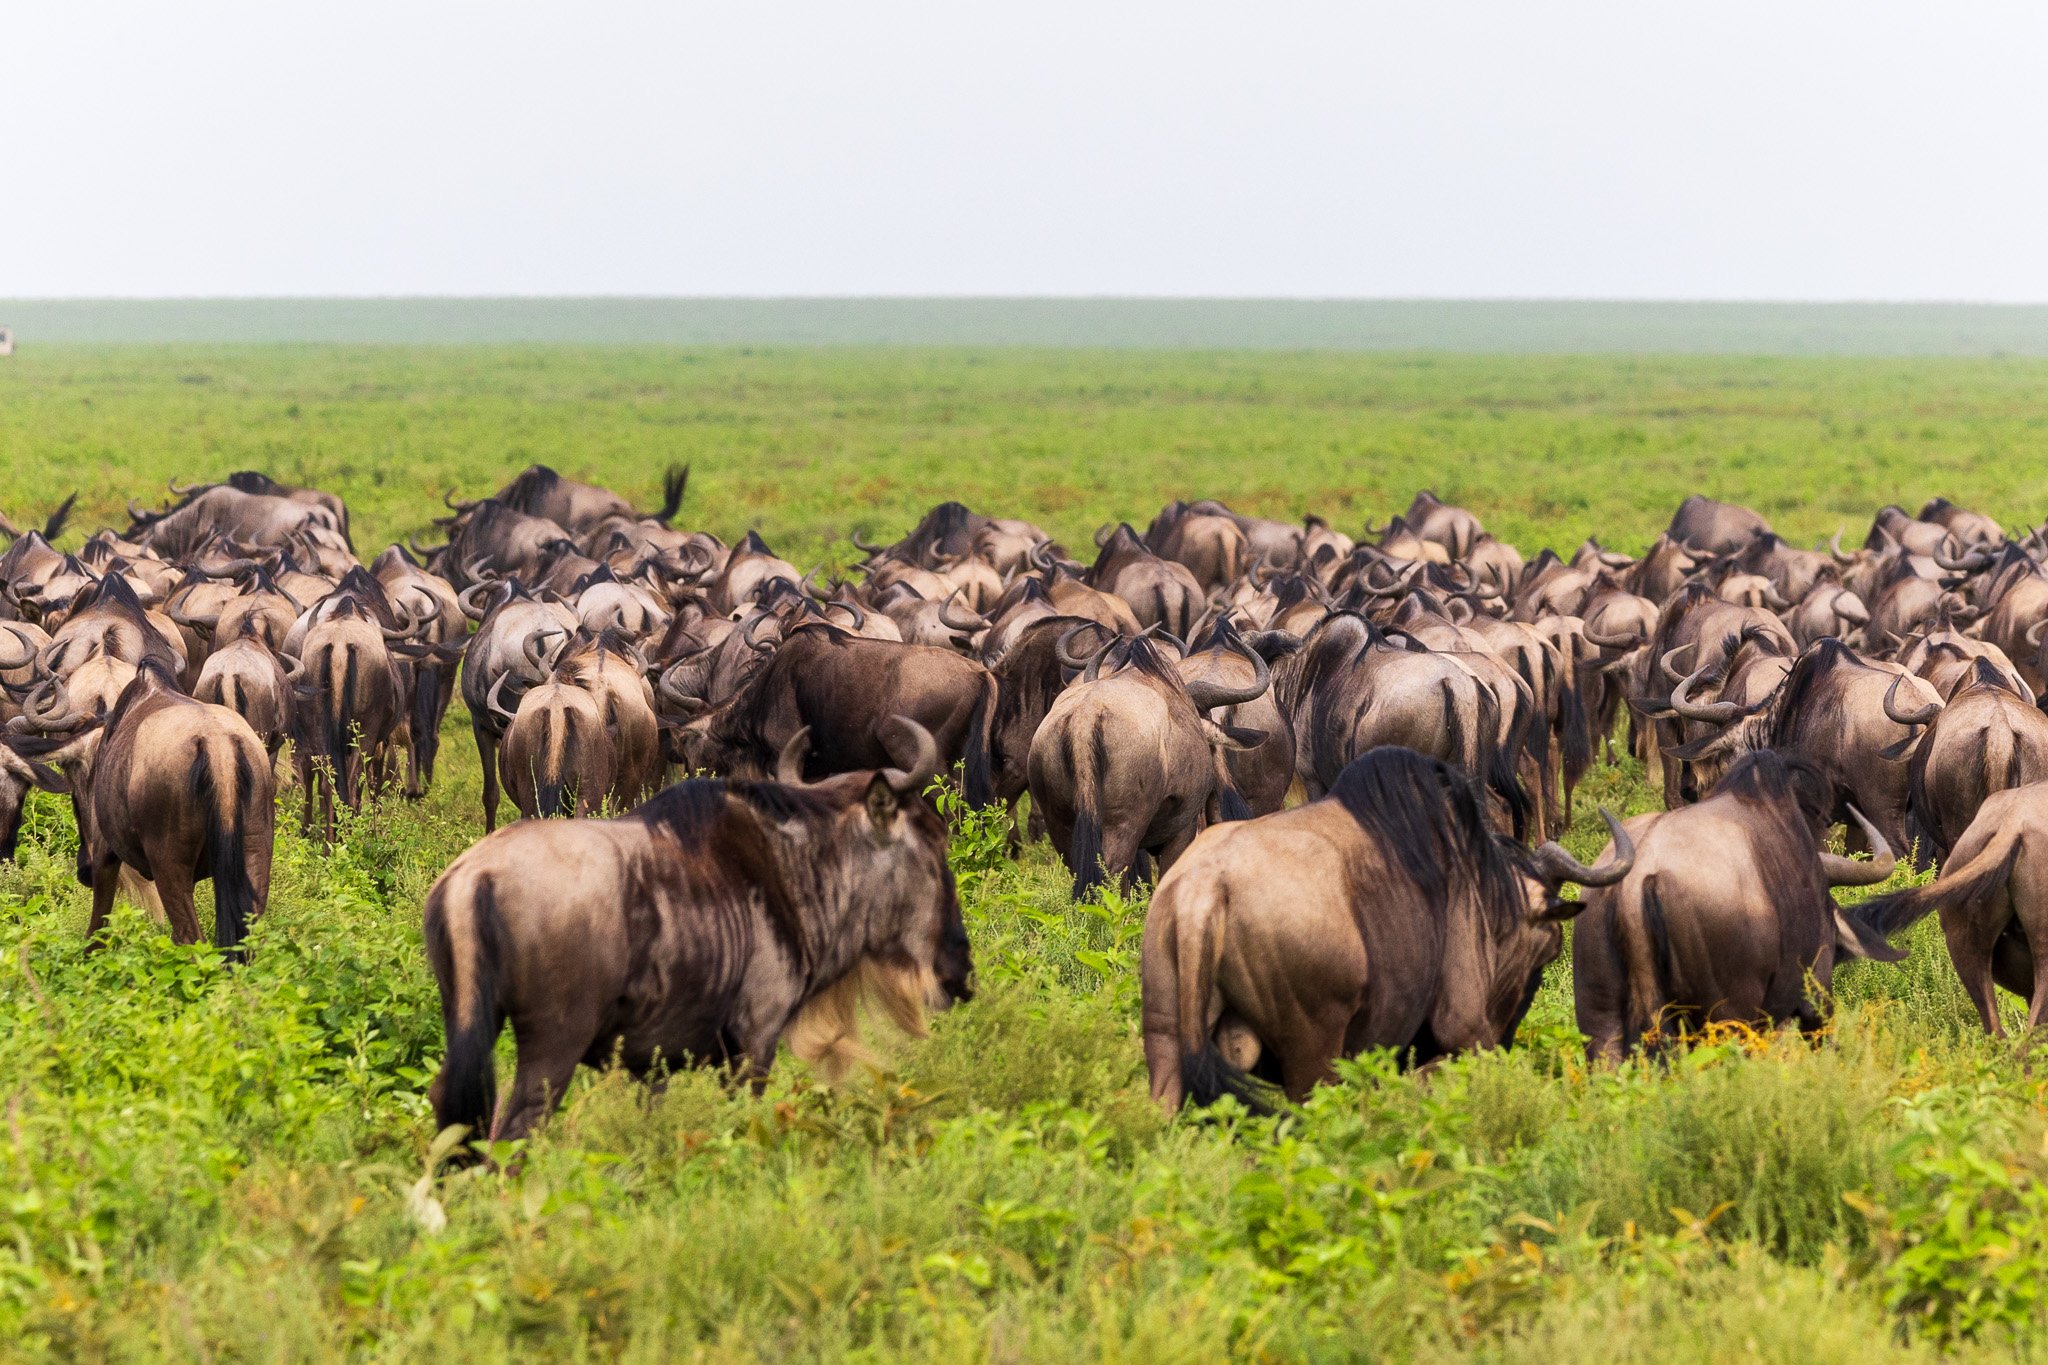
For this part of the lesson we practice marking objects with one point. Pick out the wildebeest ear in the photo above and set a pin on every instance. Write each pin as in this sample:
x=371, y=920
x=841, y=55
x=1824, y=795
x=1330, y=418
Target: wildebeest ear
x=881, y=803
x=1699, y=748
x=1649, y=706
x=1858, y=939
x=49, y=779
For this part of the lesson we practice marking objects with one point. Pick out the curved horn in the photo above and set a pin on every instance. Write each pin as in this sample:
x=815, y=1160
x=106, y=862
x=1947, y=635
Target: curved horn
x=748, y=631
x=2034, y=634
x=1841, y=871
x=536, y=649
x=28, y=651
x=1907, y=718
x=58, y=712
x=402, y=632
x=1210, y=696
x=1969, y=563
x=924, y=765
x=1835, y=549
x=1669, y=663
x=789, y=764
x=1072, y=660
x=1624, y=643
x=1559, y=866
x=975, y=621
x=1716, y=713
x=864, y=547
x=498, y=687
x=669, y=686
x=466, y=599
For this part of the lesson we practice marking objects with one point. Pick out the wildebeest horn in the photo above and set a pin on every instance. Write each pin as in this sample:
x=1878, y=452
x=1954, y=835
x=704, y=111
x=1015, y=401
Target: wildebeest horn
x=178, y=492
x=55, y=710
x=136, y=512
x=1620, y=642
x=1908, y=718
x=1209, y=696
x=403, y=631
x=1849, y=607
x=1841, y=871
x=974, y=620
x=2034, y=634
x=924, y=764
x=789, y=764
x=1969, y=563
x=748, y=631
x=535, y=646
x=1102, y=534
x=811, y=588
x=466, y=599
x=1774, y=599
x=294, y=669
x=28, y=651
x=1669, y=663
x=491, y=699
x=1716, y=713
x=1560, y=866
x=1072, y=660
x=863, y=546
x=669, y=687
x=1835, y=548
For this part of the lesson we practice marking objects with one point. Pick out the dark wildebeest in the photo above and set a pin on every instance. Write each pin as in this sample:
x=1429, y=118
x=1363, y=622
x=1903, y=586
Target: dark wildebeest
x=1715, y=528
x=556, y=757
x=516, y=644
x=539, y=491
x=1352, y=689
x=1725, y=916
x=841, y=688
x=247, y=677
x=1993, y=899
x=1263, y=773
x=1158, y=591
x=1208, y=545
x=262, y=485
x=1987, y=738
x=1386, y=914
x=718, y=919
x=175, y=789
x=353, y=708
x=1127, y=763
x=1452, y=527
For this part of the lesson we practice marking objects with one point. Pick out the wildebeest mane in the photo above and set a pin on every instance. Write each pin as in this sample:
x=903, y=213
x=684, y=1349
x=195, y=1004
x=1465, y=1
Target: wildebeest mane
x=1427, y=815
x=527, y=489
x=934, y=529
x=1796, y=707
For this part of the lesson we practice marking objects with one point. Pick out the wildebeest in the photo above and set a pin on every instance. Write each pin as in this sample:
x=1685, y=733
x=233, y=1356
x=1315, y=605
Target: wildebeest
x=1387, y=914
x=841, y=688
x=175, y=789
x=1993, y=899
x=1986, y=739
x=1159, y=591
x=1127, y=765
x=719, y=918
x=1725, y=915
x=1717, y=528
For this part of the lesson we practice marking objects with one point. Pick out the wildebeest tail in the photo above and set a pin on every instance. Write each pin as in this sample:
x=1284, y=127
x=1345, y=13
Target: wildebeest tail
x=552, y=764
x=1975, y=880
x=1645, y=957
x=227, y=818
x=978, y=783
x=1084, y=852
x=1206, y=1076
x=426, y=726
x=1497, y=760
x=467, y=969
x=341, y=708
x=1575, y=731
x=674, y=482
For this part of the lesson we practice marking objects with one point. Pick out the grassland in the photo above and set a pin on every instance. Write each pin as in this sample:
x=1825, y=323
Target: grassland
x=210, y=1164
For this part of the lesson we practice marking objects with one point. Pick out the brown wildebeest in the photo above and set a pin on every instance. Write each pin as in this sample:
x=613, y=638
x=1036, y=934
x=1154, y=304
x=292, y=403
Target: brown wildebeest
x=1993, y=899
x=250, y=680
x=1987, y=738
x=1452, y=527
x=1127, y=763
x=177, y=790
x=1726, y=914
x=539, y=491
x=352, y=709
x=1263, y=773
x=1386, y=914
x=1716, y=528
x=1158, y=591
x=842, y=688
x=718, y=919
x=1208, y=545
x=518, y=639
x=51, y=529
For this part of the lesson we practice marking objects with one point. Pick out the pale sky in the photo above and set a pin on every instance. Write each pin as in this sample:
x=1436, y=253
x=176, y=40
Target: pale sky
x=1781, y=150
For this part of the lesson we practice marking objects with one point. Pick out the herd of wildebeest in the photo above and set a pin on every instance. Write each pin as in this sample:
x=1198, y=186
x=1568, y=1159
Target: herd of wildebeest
x=1344, y=760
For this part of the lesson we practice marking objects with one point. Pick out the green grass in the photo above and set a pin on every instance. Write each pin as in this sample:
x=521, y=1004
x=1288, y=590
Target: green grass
x=211, y=1164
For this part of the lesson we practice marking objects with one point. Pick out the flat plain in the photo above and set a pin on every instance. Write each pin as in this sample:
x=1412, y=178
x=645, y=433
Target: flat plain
x=239, y=1164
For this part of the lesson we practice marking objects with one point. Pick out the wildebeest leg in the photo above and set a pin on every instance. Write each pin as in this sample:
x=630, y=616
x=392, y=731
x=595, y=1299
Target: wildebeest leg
x=1972, y=935
x=1599, y=987
x=106, y=874
x=1176, y=846
x=1309, y=1057
x=487, y=753
x=174, y=884
x=548, y=1054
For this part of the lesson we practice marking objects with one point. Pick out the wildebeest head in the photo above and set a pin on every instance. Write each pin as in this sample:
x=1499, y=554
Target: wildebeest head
x=917, y=955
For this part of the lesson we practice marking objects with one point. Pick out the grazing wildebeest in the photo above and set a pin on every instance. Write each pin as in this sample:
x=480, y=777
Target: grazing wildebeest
x=1725, y=915
x=718, y=919
x=1385, y=915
